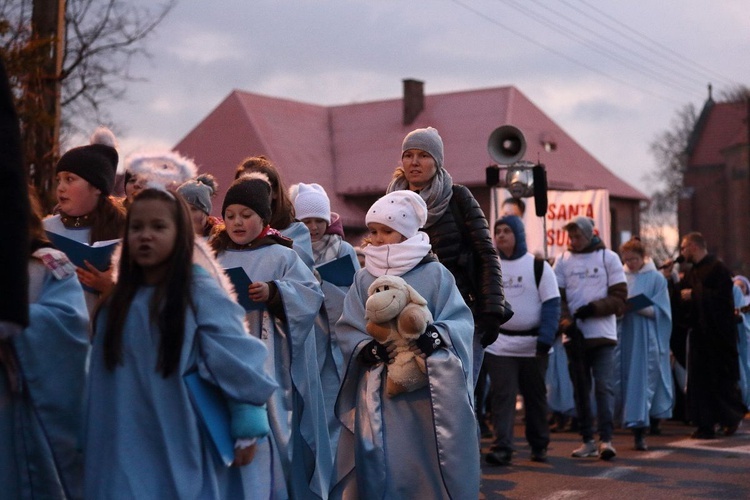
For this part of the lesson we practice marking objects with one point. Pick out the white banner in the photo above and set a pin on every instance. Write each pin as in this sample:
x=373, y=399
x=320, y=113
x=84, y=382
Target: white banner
x=562, y=207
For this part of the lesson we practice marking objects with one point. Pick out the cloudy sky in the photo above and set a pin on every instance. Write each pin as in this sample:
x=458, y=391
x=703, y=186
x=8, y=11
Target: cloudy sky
x=611, y=73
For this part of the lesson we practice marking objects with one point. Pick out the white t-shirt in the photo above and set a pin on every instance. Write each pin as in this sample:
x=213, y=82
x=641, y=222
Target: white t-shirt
x=586, y=277
x=519, y=285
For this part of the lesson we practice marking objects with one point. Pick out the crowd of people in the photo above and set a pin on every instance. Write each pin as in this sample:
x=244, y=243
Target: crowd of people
x=94, y=394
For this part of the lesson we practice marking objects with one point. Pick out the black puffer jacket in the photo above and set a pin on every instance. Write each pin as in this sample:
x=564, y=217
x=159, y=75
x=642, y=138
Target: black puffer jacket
x=484, y=293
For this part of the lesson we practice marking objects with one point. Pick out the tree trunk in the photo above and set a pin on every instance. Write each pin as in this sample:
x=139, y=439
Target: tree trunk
x=41, y=98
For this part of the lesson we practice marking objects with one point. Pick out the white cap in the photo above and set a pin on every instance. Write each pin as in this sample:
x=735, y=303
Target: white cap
x=404, y=211
x=312, y=202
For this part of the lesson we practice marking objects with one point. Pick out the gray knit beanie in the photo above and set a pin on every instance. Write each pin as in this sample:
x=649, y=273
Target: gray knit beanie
x=585, y=224
x=198, y=192
x=425, y=139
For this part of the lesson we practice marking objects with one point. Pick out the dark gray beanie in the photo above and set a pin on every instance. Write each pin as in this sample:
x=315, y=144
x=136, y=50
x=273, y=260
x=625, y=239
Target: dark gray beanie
x=425, y=139
x=96, y=163
x=253, y=191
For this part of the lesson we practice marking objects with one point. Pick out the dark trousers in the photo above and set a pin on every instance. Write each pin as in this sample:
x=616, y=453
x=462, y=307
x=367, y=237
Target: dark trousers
x=595, y=363
x=508, y=376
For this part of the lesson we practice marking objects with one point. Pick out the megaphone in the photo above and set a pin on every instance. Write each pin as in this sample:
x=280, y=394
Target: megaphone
x=506, y=145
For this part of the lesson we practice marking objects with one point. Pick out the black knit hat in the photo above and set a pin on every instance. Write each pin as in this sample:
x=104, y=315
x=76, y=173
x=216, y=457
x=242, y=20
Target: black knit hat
x=96, y=163
x=253, y=191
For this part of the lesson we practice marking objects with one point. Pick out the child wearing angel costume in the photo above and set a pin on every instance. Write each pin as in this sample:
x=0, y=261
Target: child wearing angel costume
x=416, y=444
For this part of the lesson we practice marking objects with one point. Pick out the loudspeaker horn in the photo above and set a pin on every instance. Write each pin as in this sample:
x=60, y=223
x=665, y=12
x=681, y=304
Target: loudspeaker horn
x=506, y=145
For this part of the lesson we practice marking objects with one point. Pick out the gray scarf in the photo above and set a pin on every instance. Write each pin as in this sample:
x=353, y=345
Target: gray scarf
x=437, y=195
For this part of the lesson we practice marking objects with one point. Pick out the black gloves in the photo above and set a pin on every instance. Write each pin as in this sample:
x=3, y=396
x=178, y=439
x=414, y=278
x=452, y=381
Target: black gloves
x=584, y=312
x=488, y=328
x=429, y=341
x=373, y=353
x=542, y=349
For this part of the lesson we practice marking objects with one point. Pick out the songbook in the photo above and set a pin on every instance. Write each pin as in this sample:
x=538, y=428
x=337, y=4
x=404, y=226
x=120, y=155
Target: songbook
x=241, y=281
x=339, y=271
x=213, y=411
x=638, y=302
x=98, y=255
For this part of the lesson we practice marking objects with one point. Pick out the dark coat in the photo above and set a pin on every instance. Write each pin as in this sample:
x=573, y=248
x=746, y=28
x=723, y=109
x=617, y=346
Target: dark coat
x=14, y=207
x=479, y=279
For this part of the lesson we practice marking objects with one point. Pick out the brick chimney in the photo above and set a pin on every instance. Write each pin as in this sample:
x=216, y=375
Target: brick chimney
x=413, y=100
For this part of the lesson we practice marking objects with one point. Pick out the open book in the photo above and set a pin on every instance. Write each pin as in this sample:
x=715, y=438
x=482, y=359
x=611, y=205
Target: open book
x=98, y=255
x=339, y=271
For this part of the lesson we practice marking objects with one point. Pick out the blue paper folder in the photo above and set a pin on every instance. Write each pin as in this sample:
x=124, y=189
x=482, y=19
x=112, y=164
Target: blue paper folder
x=339, y=271
x=638, y=302
x=241, y=281
x=213, y=412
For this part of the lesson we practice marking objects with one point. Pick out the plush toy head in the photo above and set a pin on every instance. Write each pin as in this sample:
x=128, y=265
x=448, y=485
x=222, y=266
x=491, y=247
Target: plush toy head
x=397, y=315
x=388, y=295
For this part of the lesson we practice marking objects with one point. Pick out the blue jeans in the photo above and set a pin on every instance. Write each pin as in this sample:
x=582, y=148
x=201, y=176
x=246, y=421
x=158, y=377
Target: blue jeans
x=599, y=363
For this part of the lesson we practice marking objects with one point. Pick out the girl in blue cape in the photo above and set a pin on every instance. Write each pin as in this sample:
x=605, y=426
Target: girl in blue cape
x=643, y=383
x=167, y=318
x=87, y=213
x=313, y=208
x=42, y=379
x=288, y=300
x=418, y=444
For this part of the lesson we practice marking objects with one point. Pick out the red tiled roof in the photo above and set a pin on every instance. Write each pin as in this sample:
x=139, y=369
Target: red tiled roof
x=726, y=126
x=352, y=150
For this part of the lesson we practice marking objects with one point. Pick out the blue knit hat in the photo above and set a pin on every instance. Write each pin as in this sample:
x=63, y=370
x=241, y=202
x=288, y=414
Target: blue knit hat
x=516, y=225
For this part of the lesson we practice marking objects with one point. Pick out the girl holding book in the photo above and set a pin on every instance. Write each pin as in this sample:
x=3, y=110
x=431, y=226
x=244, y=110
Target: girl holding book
x=87, y=213
x=164, y=319
x=418, y=444
x=285, y=300
x=313, y=209
x=282, y=216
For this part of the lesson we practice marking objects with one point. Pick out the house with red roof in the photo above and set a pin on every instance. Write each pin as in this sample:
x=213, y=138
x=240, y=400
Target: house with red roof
x=353, y=149
x=715, y=198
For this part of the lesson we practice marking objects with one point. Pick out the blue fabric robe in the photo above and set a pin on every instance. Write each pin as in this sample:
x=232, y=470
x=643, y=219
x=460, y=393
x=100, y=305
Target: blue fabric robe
x=330, y=357
x=743, y=333
x=40, y=426
x=300, y=236
x=301, y=443
x=143, y=436
x=643, y=377
x=420, y=444
x=559, y=387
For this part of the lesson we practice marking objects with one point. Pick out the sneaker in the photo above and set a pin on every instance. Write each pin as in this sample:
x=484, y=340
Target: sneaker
x=539, y=455
x=606, y=450
x=500, y=457
x=587, y=449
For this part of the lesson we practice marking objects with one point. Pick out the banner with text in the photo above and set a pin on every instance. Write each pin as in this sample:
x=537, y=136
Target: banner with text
x=562, y=208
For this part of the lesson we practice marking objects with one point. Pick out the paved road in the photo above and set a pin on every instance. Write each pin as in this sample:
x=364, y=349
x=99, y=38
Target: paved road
x=675, y=466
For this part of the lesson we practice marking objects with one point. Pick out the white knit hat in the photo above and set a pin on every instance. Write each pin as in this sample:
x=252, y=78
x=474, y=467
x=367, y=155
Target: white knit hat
x=312, y=202
x=404, y=211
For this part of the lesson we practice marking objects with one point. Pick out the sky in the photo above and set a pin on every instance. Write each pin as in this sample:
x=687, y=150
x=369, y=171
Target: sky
x=612, y=74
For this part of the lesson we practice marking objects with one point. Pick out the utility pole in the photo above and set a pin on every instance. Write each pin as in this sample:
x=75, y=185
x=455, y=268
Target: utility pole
x=41, y=96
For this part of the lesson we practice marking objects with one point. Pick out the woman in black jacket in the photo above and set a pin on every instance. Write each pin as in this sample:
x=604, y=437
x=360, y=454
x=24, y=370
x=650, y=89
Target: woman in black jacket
x=459, y=234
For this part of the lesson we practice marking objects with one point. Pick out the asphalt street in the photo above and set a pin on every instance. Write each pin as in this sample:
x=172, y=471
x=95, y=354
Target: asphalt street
x=675, y=466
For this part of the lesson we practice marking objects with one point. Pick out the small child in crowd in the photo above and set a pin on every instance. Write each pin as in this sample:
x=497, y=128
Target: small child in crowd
x=288, y=298
x=198, y=193
x=166, y=318
x=87, y=214
x=421, y=441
